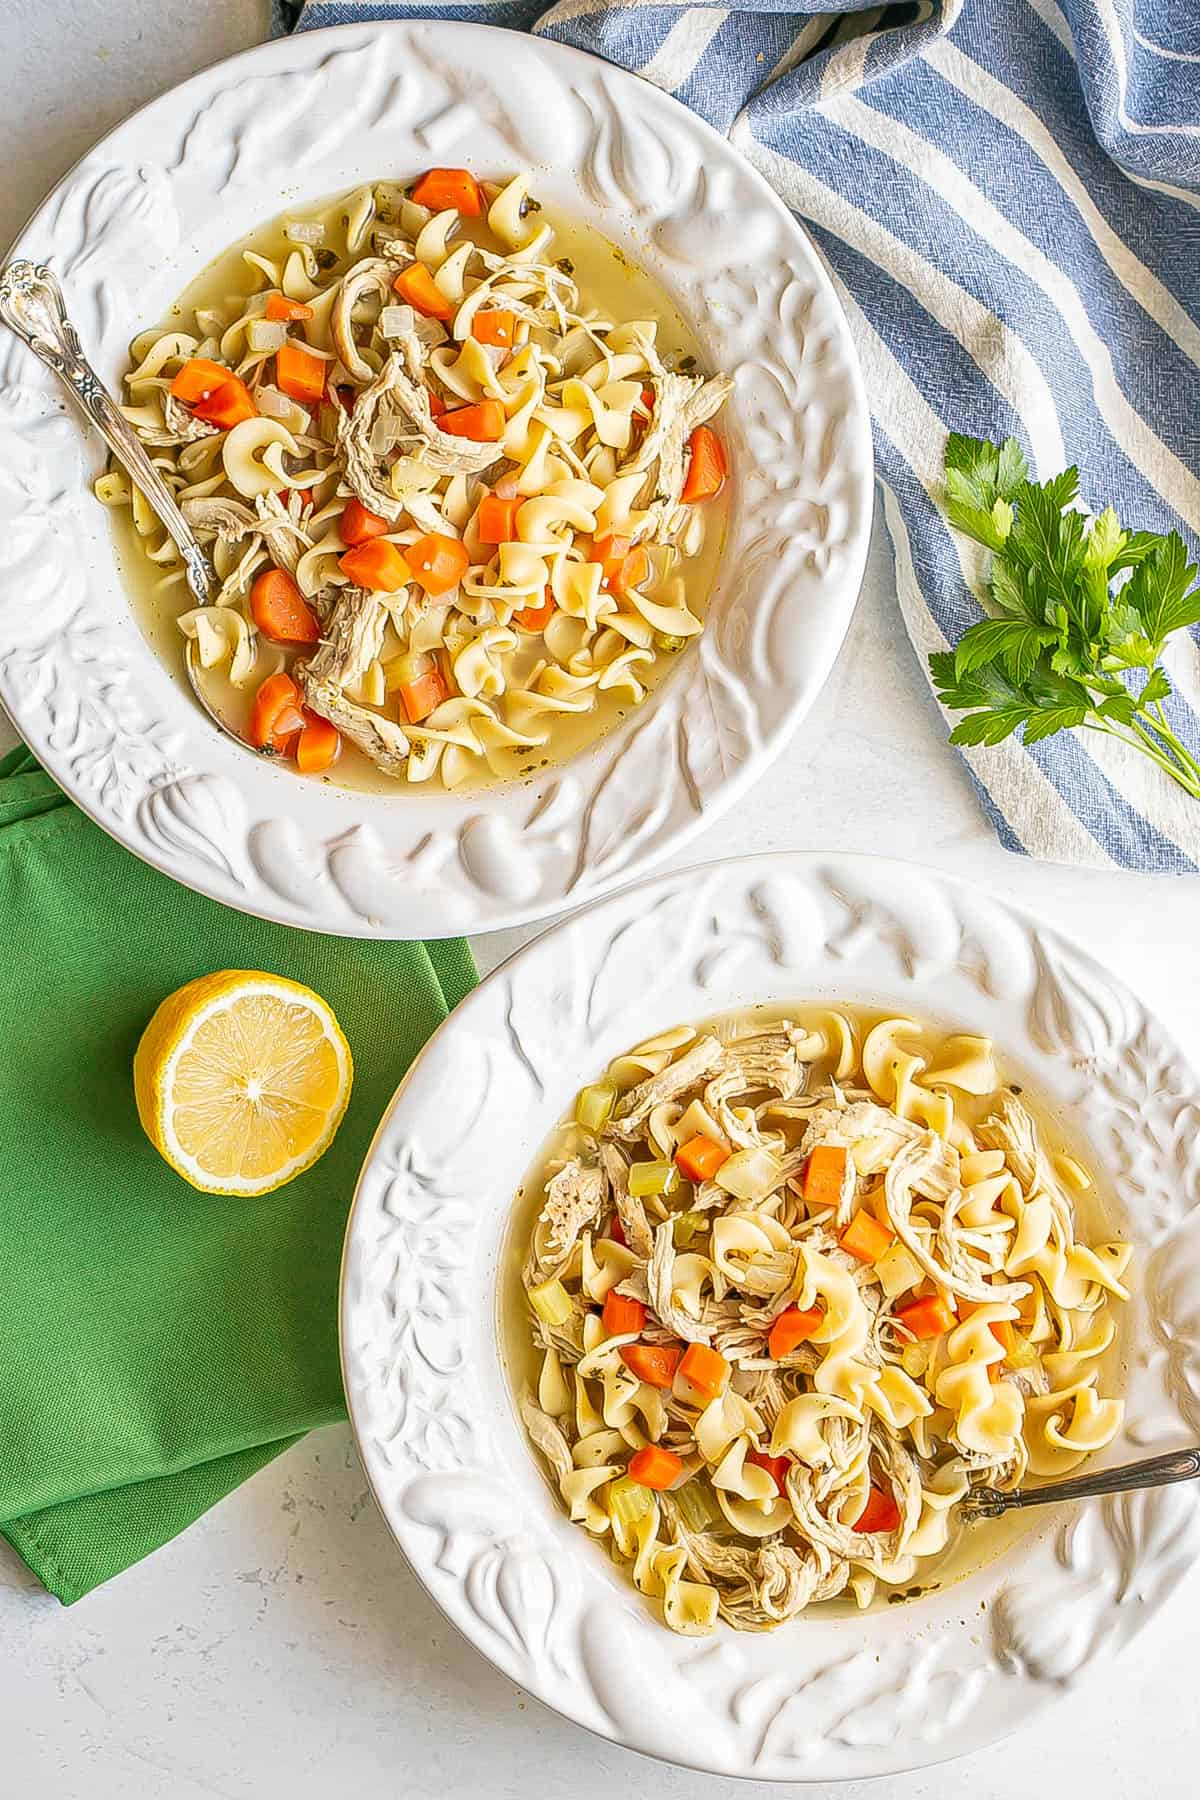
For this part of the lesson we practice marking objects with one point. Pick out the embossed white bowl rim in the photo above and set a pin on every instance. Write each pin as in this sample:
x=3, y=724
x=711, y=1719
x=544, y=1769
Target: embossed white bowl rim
x=430, y=1404
x=306, y=116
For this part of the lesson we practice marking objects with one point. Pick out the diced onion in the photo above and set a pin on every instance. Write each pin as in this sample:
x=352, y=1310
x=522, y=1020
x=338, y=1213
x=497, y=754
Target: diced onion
x=551, y=1302
x=266, y=334
x=593, y=1105
x=428, y=331
x=403, y=670
x=749, y=1174
x=273, y=404
x=396, y=321
x=897, y=1271
x=304, y=231
x=506, y=487
x=653, y=1178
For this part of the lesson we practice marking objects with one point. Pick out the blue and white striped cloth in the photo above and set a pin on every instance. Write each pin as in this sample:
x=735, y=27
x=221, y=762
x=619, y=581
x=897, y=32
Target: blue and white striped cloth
x=1006, y=194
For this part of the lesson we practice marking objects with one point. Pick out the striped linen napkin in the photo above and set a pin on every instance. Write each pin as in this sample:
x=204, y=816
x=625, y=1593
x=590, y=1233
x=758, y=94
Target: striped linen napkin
x=1005, y=193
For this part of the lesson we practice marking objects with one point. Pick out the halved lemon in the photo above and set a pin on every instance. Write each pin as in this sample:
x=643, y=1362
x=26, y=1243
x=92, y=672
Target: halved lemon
x=241, y=1080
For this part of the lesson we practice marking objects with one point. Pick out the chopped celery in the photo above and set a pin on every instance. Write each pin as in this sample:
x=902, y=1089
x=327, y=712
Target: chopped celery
x=688, y=1225
x=667, y=640
x=551, y=1302
x=653, y=1178
x=628, y=1500
x=593, y=1105
x=695, y=1502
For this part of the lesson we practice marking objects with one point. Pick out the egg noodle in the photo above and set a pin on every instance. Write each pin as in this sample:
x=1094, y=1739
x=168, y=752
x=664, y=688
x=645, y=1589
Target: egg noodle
x=794, y=1287
x=451, y=504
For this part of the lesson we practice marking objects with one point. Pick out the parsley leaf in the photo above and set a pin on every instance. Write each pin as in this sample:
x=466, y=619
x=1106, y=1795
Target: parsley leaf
x=1084, y=608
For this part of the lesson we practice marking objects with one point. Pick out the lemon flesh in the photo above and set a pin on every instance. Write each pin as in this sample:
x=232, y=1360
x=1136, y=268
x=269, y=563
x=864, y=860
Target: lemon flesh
x=241, y=1081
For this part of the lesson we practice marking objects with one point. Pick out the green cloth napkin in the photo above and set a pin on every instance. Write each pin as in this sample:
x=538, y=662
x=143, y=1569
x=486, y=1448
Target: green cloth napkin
x=157, y=1345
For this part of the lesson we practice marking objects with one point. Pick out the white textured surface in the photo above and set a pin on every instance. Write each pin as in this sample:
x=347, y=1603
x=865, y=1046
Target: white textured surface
x=281, y=1647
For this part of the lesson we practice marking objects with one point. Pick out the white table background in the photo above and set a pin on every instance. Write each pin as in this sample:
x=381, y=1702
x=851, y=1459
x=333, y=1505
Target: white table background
x=281, y=1647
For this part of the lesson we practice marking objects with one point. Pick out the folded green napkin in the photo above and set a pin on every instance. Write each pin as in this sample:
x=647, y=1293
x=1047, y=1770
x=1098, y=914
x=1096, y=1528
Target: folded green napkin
x=157, y=1345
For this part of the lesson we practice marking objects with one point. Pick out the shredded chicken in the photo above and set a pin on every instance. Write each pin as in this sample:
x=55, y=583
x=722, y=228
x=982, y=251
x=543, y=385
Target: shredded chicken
x=351, y=644
x=704, y=1056
x=681, y=402
x=574, y=1198
x=393, y=394
x=802, y=1360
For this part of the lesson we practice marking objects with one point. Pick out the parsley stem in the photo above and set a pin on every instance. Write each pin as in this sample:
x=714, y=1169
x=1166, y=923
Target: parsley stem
x=1159, y=724
x=1143, y=742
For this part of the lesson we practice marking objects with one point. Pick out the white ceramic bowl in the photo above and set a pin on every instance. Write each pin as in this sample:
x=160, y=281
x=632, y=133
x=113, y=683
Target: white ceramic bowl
x=824, y=1697
x=310, y=115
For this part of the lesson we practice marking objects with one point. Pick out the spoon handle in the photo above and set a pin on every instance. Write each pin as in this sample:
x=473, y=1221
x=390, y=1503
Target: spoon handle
x=1155, y=1471
x=32, y=305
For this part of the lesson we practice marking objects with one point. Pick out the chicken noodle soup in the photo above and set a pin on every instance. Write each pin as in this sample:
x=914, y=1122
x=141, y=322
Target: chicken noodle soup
x=460, y=507
x=795, y=1284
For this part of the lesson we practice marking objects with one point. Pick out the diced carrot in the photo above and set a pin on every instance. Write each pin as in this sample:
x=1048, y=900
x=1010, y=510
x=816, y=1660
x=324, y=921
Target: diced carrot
x=621, y=1314
x=226, y=406
x=536, y=618
x=299, y=373
x=495, y=325
x=632, y=572
x=198, y=378
x=281, y=308
x=280, y=610
x=866, y=1238
x=928, y=1318
x=443, y=189
x=610, y=552
x=416, y=285
x=824, y=1174
x=438, y=562
x=616, y=1230
x=376, y=564
x=421, y=697
x=655, y=1364
x=707, y=467
x=276, y=714
x=319, y=744
x=776, y=1466
x=705, y=1371
x=496, y=520
x=700, y=1158
x=483, y=422
x=359, y=524
x=437, y=405
x=793, y=1327
x=879, y=1514
x=647, y=398
x=1002, y=1331
x=654, y=1467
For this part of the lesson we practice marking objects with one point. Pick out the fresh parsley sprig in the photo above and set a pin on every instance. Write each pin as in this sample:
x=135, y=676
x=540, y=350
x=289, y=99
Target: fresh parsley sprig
x=1083, y=609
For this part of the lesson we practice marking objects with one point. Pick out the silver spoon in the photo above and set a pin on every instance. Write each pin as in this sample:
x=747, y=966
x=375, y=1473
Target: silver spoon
x=32, y=305
x=1155, y=1471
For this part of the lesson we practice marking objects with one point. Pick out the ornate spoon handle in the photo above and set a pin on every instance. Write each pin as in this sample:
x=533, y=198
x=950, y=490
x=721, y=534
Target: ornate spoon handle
x=32, y=305
x=1155, y=1471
